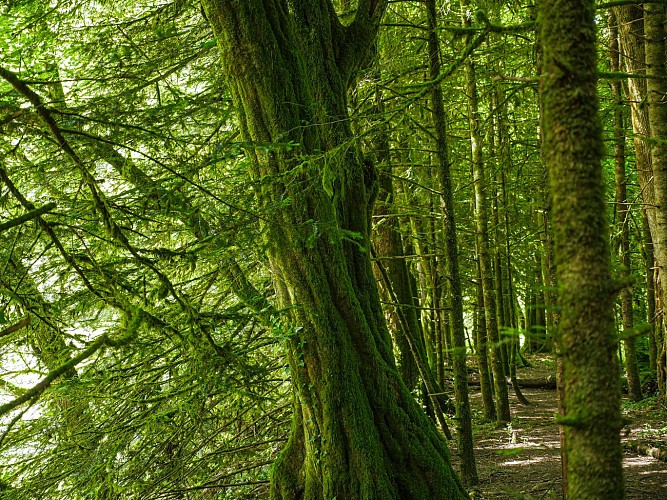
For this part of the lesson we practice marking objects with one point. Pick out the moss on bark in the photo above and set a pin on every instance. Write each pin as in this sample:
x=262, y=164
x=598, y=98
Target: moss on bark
x=656, y=64
x=357, y=431
x=573, y=151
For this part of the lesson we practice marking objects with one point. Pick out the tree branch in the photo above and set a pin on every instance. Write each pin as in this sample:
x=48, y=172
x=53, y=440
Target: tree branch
x=33, y=214
x=356, y=38
x=11, y=329
x=101, y=341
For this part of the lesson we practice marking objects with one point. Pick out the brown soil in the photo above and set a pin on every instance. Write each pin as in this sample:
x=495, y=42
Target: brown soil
x=522, y=460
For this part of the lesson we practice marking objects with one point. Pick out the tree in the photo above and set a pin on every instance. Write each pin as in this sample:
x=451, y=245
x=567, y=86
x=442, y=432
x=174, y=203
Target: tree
x=356, y=432
x=483, y=250
x=573, y=150
x=623, y=215
x=463, y=417
x=656, y=68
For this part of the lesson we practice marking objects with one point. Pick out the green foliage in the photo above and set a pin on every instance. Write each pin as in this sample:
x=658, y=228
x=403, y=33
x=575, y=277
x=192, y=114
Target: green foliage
x=186, y=392
x=184, y=395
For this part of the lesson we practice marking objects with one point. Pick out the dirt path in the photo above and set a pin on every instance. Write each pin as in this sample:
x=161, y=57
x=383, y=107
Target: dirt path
x=523, y=460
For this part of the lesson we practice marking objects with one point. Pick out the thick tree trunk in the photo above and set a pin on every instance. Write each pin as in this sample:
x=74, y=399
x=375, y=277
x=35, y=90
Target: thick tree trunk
x=573, y=151
x=357, y=431
x=548, y=244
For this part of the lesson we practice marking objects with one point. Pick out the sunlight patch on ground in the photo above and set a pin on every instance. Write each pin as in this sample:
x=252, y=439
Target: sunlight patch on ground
x=637, y=461
x=642, y=461
x=528, y=461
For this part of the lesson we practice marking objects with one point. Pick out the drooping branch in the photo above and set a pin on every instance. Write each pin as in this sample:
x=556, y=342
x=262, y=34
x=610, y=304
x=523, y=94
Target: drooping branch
x=97, y=344
x=15, y=327
x=32, y=214
x=98, y=197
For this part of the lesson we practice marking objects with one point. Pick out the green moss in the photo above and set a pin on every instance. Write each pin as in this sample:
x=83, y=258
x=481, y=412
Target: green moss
x=357, y=431
x=573, y=150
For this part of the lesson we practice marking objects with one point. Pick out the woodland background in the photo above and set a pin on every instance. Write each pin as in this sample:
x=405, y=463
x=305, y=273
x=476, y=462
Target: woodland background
x=143, y=352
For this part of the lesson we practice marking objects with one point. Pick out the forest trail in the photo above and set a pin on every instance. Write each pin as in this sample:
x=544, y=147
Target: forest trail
x=522, y=461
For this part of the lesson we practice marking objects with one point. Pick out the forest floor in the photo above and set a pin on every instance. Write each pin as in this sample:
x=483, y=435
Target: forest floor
x=522, y=460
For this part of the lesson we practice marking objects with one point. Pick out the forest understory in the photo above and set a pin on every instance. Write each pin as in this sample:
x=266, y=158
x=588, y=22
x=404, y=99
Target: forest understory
x=522, y=460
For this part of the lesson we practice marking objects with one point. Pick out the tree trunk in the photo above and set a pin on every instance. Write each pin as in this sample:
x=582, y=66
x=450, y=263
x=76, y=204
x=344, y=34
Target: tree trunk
x=505, y=299
x=485, y=380
x=357, y=432
x=654, y=31
x=387, y=241
x=482, y=240
x=649, y=262
x=459, y=354
x=623, y=213
x=573, y=151
x=553, y=318
x=632, y=52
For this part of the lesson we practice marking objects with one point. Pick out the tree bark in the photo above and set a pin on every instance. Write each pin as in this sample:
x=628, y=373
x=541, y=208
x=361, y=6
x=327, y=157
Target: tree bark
x=573, y=151
x=649, y=262
x=485, y=380
x=654, y=31
x=357, y=432
x=459, y=355
x=482, y=240
x=632, y=54
x=622, y=214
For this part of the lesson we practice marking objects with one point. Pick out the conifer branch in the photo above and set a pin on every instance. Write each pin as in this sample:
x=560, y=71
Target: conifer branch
x=33, y=214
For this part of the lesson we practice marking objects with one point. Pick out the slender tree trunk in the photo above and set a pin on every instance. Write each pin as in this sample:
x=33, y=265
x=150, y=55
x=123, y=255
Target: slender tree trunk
x=481, y=220
x=548, y=274
x=649, y=262
x=501, y=256
x=459, y=354
x=654, y=31
x=357, y=432
x=387, y=241
x=540, y=313
x=573, y=151
x=623, y=213
x=485, y=380
x=661, y=340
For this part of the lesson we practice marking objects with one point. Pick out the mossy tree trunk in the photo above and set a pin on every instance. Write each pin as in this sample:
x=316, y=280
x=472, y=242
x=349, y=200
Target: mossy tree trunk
x=357, y=431
x=573, y=151
x=654, y=31
x=482, y=240
x=547, y=238
x=622, y=215
x=459, y=352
